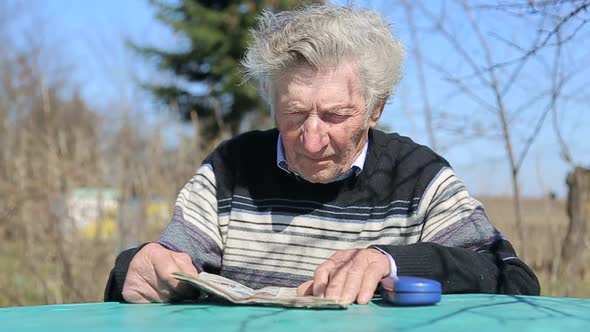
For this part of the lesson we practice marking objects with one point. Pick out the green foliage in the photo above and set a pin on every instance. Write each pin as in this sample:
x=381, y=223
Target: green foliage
x=209, y=87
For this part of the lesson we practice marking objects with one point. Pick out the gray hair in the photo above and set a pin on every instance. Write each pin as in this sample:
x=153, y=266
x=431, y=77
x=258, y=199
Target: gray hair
x=320, y=36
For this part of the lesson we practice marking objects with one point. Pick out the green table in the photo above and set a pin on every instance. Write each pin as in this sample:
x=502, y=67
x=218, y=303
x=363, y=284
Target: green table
x=472, y=312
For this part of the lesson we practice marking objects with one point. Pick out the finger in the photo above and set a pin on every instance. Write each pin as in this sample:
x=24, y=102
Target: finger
x=140, y=284
x=134, y=294
x=388, y=284
x=136, y=298
x=321, y=276
x=184, y=263
x=140, y=298
x=337, y=280
x=371, y=278
x=305, y=289
x=352, y=285
x=326, y=271
x=159, y=295
x=172, y=289
x=139, y=288
x=183, y=290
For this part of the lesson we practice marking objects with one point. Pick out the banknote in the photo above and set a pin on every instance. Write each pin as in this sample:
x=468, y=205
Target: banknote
x=237, y=293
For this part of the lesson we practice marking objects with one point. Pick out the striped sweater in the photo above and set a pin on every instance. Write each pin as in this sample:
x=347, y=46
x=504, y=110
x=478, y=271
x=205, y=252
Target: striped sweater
x=244, y=218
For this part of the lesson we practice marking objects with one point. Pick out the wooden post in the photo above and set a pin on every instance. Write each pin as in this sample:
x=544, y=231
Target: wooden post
x=578, y=210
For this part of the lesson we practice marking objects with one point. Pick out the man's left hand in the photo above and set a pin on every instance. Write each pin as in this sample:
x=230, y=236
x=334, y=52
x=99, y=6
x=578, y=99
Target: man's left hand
x=348, y=276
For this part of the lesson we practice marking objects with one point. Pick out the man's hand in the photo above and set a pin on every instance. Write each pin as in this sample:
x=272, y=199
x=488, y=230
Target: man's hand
x=348, y=276
x=149, y=280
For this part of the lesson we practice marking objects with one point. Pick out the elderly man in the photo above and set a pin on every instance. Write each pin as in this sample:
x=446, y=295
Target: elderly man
x=324, y=202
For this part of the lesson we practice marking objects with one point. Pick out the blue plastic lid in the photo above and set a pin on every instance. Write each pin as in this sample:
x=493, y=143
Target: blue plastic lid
x=416, y=285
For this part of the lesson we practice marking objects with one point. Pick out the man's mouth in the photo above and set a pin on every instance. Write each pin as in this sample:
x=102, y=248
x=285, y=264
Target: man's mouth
x=318, y=159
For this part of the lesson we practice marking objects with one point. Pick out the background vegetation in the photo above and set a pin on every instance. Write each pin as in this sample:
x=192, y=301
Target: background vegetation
x=57, y=151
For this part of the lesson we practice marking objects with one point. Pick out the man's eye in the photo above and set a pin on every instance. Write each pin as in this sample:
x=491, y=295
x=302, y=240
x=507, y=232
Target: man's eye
x=295, y=117
x=296, y=114
x=336, y=117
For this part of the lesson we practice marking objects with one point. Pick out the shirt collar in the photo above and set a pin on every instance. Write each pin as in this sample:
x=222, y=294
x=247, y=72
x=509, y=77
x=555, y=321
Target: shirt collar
x=355, y=169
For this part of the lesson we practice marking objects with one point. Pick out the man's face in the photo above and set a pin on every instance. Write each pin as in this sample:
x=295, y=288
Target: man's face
x=322, y=118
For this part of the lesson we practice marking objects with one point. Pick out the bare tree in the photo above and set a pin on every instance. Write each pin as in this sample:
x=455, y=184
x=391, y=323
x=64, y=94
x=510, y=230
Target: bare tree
x=418, y=59
x=562, y=24
x=515, y=66
x=488, y=80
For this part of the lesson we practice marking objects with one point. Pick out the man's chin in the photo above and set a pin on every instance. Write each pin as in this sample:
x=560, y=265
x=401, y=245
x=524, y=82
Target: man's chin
x=319, y=177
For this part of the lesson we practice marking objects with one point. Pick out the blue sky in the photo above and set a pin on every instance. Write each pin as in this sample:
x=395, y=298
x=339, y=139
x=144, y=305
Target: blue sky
x=92, y=36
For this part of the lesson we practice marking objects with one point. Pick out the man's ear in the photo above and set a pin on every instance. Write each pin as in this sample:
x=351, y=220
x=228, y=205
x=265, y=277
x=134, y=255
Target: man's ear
x=376, y=114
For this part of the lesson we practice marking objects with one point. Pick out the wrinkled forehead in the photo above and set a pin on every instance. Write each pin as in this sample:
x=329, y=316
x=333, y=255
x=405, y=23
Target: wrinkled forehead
x=337, y=81
x=343, y=75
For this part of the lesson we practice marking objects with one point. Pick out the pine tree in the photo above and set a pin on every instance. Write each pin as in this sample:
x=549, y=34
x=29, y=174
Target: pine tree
x=217, y=33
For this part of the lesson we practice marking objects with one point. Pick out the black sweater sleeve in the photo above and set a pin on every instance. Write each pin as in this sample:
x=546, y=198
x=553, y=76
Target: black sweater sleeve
x=459, y=246
x=114, y=289
x=461, y=270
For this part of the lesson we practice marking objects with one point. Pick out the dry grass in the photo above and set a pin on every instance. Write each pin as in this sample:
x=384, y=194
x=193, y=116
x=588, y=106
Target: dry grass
x=545, y=224
x=51, y=143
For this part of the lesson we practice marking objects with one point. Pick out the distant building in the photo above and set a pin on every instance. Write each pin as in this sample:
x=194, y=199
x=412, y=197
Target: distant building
x=93, y=211
x=101, y=213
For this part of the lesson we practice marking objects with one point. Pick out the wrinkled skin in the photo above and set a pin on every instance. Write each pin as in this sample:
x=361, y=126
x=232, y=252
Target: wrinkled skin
x=348, y=276
x=323, y=120
x=149, y=276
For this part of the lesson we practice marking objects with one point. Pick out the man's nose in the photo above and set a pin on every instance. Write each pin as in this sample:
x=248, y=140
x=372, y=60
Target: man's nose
x=315, y=135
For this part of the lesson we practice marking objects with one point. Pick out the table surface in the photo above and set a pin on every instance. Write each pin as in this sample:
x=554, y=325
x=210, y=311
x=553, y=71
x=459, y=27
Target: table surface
x=469, y=312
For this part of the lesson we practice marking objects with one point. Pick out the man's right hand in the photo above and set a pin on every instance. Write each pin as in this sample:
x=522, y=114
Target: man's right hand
x=149, y=276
